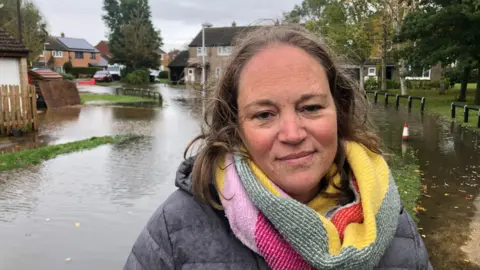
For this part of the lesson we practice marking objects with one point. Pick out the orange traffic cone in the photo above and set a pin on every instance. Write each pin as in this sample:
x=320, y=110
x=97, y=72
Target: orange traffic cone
x=405, y=132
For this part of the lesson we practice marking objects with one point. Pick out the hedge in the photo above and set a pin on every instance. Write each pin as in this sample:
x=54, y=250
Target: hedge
x=137, y=77
x=163, y=74
x=372, y=84
x=90, y=71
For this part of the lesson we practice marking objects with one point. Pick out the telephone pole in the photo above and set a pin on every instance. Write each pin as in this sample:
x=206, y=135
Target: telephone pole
x=19, y=20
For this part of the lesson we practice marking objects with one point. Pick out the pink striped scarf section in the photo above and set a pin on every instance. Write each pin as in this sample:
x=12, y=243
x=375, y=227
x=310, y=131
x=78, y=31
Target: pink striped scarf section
x=253, y=229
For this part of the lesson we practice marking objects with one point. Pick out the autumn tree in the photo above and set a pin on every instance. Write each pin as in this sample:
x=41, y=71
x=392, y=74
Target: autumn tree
x=34, y=32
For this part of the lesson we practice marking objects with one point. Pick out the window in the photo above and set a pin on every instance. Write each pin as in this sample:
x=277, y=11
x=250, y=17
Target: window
x=42, y=54
x=200, y=52
x=218, y=72
x=372, y=71
x=78, y=55
x=57, y=54
x=92, y=55
x=225, y=51
x=424, y=74
x=190, y=71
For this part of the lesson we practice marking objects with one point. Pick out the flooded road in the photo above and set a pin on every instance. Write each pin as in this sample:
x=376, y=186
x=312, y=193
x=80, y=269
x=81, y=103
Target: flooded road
x=90, y=206
x=449, y=161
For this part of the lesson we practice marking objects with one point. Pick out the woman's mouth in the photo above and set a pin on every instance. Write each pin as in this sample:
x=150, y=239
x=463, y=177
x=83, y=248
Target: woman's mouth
x=299, y=158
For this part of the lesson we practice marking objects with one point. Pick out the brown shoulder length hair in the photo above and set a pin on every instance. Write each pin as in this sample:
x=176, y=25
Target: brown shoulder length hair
x=220, y=129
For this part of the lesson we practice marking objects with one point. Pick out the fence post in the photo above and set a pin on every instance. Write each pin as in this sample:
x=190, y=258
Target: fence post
x=386, y=99
x=409, y=102
x=397, y=101
x=465, y=114
x=422, y=106
x=453, y=110
x=376, y=97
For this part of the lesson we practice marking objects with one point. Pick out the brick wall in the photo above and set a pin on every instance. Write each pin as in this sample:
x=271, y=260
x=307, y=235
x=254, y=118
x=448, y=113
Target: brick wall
x=59, y=61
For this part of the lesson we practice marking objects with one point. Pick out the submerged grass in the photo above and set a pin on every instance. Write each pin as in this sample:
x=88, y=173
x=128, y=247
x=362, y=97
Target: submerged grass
x=406, y=173
x=441, y=104
x=87, y=97
x=35, y=156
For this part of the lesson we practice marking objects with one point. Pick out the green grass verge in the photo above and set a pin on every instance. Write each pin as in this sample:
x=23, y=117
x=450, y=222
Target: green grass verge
x=114, y=83
x=87, y=97
x=406, y=173
x=441, y=104
x=35, y=156
x=164, y=81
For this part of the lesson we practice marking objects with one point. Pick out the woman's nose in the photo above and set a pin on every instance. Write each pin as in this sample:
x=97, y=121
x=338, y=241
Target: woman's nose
x=292, y=130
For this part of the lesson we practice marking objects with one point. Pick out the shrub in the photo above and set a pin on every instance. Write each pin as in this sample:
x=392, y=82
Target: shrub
x=67, y=67
x=139, y=76
x=163, y=74
x=88, y=71
x=393, y=84
x=69, y=77
x=371, y=84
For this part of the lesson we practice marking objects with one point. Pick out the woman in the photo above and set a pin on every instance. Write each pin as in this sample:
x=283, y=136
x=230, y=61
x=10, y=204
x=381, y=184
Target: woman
x=289, y=175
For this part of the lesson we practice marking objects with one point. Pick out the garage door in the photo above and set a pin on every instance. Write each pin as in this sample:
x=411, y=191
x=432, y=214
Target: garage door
x=9, y=71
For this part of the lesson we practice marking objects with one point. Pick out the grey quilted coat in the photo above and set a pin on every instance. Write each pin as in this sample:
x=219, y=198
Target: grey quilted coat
x=186, y=234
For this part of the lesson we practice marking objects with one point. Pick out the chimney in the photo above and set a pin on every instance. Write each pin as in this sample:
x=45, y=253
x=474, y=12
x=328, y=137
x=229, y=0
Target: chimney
x=62, y=34
x=234, y=24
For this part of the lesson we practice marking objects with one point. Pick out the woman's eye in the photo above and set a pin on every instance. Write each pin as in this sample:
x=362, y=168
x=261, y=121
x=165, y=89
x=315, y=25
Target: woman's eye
x=312, y=108
x=263, y=115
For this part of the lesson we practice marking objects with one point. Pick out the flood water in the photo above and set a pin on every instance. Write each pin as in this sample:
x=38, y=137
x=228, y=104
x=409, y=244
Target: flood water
x=84, y=210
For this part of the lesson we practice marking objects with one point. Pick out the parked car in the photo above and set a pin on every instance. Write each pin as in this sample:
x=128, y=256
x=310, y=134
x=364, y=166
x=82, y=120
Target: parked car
x=115, y=70
x=103, y=76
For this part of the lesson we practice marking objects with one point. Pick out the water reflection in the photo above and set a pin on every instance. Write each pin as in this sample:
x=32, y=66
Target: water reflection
x=449, y=159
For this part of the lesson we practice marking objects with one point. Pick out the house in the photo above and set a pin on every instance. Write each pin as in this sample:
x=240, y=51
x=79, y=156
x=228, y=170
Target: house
x=104, y=50
x=178, y=66
x=105, y=54
x=163, y=59
x=372, y=69
x=13, y=61
x=218, y=48
x=172, y=55
x=59, y=50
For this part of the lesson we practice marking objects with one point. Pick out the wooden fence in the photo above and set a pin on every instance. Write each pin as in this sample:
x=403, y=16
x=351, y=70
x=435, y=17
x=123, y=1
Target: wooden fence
x=18, y=109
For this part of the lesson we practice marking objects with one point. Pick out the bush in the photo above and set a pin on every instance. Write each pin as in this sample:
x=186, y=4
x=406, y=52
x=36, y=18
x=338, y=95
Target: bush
x=371, y=84
x=88, y=71
x=393, y=84
x=163, y=74
x=67, y=67
x=425, y=85
x=139, y=76
x=69, y=77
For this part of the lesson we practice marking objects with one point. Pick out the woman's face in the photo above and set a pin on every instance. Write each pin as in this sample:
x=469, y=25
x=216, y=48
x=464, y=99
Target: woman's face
x=288, y=118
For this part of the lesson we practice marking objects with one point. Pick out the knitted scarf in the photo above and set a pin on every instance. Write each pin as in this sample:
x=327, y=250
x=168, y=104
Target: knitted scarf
x=321, y=234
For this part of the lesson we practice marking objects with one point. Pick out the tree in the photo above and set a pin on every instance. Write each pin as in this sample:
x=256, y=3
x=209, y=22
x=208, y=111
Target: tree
x=446, y=31
x=345, y=25
x=133, y=40
x=394, y=12
x=33, y=25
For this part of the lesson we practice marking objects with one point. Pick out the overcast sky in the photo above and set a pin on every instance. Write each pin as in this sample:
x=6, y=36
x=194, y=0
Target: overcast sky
x=178, y=20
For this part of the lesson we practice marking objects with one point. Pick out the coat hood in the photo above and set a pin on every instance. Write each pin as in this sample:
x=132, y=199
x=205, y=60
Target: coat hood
x=183, y=179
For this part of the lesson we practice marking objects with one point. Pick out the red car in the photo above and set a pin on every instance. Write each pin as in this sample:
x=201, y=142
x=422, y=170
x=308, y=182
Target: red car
x=103, y=76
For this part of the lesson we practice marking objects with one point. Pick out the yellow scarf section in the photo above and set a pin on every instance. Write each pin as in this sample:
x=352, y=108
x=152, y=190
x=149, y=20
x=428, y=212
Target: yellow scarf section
x=372, y=175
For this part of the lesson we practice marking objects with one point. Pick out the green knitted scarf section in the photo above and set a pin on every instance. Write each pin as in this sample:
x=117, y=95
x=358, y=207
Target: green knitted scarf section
x=304, y=231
